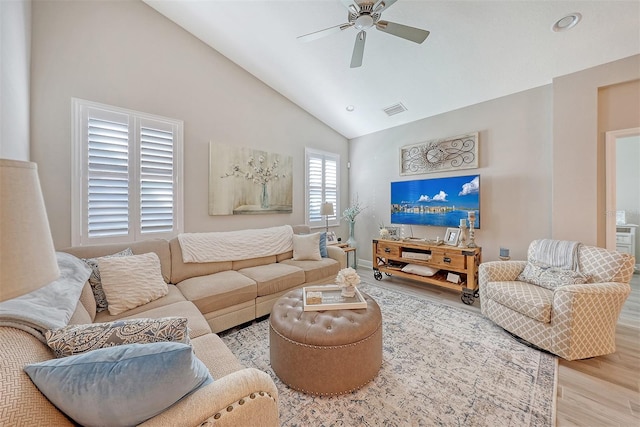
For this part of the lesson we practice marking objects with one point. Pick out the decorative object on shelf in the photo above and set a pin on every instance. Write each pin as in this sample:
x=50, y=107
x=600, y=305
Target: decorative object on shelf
x=327, y=210
x=248, y=181
x=348, y=279
x=451, y=236
x=504, y=254
x=27, y=256
x=472, y=233
x=458, y=152
x=462, y=241
x=390, y=233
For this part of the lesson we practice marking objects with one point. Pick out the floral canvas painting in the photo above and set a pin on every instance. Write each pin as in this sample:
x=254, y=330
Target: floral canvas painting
x=246, y=181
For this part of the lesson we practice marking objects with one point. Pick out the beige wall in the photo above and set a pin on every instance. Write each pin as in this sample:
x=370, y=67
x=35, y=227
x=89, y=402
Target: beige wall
x=126, y=54
x=515, y=170
x=578, y=148
x=15, y=46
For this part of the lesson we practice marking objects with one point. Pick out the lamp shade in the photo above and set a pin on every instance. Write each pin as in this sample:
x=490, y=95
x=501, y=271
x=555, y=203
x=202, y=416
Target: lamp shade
x=27, y=255
x=326, y=208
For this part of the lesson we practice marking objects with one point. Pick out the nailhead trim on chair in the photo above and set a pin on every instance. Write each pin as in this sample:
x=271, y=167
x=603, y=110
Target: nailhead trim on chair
x=242, y=401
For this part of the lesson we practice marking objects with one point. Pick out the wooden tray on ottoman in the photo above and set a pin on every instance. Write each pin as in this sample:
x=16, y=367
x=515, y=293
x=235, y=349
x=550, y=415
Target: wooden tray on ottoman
x=332, y=300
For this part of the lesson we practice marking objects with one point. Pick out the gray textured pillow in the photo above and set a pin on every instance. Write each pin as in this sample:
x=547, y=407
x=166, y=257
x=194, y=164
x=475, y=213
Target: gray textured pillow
x=96, y=283
x=550, y=277
x=76, y=339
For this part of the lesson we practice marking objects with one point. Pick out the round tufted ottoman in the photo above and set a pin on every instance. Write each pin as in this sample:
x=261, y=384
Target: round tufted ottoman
x=324, y=352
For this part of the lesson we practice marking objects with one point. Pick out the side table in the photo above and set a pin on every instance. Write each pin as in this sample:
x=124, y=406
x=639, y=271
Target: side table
x=348, y=249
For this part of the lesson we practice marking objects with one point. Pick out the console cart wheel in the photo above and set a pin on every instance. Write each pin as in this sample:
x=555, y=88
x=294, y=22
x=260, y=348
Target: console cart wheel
x=467, y=297
x=377, y=275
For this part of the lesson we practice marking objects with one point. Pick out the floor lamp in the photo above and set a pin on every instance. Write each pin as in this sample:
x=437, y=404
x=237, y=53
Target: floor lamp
x=27, y=255
x=327, y=210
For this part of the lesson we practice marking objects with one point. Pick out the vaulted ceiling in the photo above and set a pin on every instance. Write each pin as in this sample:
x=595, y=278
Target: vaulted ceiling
x=477, y=50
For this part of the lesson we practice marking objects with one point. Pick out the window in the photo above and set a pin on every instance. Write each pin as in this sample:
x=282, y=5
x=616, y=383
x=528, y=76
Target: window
x=321, y=185
x=127, y=173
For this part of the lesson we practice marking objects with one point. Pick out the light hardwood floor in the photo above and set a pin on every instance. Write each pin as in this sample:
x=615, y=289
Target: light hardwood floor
x=601, y=391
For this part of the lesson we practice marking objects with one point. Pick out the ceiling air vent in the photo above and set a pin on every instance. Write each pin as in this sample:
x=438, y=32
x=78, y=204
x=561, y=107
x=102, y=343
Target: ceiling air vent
x=395, y=109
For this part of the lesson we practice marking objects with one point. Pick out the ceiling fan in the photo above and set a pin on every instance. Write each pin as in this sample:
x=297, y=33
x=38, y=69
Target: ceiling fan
x=364, y=14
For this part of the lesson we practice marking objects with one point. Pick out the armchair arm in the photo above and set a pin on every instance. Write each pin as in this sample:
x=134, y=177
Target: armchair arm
x=245, y=397
x=585, y=318
x=338, y=254
x=499, y=271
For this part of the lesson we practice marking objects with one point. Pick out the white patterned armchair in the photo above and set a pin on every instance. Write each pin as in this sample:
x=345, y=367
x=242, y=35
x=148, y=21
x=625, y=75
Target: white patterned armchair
x=573, y=321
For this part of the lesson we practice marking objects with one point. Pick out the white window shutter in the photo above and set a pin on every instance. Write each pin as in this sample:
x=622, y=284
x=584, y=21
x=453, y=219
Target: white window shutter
x=108, y=175
x=322, y=183
x=127, y=173
x=156, y=178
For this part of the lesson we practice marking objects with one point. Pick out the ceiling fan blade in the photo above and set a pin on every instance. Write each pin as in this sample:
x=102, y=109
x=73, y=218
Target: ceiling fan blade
x=323, y=33
x=381, y=5
x=351, y=5
x=358, y=49
x=409, y=33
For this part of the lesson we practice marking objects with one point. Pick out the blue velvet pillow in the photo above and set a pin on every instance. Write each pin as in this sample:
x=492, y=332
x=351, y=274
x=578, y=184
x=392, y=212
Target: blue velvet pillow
x=120, y=386
x=323, y=245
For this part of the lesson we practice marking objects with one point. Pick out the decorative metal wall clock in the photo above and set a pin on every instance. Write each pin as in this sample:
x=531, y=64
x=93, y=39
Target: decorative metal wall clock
x=458, y=152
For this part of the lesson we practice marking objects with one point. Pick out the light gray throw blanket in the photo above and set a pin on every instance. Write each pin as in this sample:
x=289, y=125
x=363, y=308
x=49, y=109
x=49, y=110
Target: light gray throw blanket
x=51, y=306
x=557, y=253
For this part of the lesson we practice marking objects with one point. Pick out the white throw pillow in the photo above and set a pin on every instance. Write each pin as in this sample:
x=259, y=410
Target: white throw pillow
x=306, y=247
x=131, y=281
x=420, y=270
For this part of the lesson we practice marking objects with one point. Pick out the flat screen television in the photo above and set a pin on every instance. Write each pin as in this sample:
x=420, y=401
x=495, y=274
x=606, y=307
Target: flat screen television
x=440, y=202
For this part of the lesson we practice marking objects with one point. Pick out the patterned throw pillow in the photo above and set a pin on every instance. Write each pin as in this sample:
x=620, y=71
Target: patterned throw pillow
x=96, y=283
x=75, y=339
x=550, y=277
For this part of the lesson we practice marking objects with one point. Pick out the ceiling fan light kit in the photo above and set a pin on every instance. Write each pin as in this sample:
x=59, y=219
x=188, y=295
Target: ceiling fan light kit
x=364, y=15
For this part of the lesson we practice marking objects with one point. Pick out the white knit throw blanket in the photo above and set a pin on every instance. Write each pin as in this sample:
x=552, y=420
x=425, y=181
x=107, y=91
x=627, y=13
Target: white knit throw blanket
x=235, y=245
x=557, y=253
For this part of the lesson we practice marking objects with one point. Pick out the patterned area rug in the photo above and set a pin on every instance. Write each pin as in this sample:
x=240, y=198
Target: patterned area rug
x=441, y=366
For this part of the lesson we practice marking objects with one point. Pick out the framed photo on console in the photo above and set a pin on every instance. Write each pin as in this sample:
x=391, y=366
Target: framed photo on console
x=451, y=236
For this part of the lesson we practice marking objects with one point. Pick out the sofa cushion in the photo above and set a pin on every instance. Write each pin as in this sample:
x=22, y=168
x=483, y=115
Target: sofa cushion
x=125, y=385
x=172, y=297
x=316, y=270
x=550, y=277
x=253, y=262
x=159, y=246
x=76, y=339
x=220, y=290
x=88, y=300
x=531, y=300
x=196, y=322
x=131, y=281
x=96, y=282
x=182, y=271
x=274, y=278
x=306, y=247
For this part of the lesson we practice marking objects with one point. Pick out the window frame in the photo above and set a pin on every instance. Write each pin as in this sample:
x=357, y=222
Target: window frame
x=325, y=156
x=80, y=174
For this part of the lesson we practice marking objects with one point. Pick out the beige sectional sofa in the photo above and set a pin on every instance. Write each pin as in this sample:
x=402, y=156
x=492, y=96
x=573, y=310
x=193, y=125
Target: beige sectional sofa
x=213, y=297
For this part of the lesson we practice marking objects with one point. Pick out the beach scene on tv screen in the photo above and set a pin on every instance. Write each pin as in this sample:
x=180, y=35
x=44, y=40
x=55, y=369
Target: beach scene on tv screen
x=441, y=202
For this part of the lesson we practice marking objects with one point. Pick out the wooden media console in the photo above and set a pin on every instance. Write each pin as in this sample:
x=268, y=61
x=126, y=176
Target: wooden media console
x=390, y=256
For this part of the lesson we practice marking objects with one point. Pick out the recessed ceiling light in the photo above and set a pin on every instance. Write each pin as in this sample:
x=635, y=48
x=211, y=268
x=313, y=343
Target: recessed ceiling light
x=566, y=22
x=350, y=108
